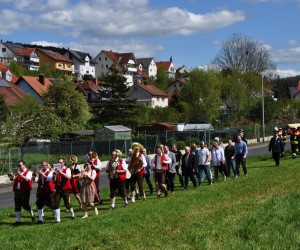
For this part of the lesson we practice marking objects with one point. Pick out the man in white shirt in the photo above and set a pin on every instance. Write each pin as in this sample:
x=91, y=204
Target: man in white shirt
x=203, y=163
x=218, y=160
x=159, y=166
x=22, y=188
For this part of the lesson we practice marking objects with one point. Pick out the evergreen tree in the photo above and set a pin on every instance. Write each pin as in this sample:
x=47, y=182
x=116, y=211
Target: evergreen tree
x=113, y=108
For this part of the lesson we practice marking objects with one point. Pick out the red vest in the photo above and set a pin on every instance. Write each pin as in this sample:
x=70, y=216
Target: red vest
x=64, y=182
x=48, y=185
x=95, y=161
x=25, y=186
x=121, y=176
x=164, y=166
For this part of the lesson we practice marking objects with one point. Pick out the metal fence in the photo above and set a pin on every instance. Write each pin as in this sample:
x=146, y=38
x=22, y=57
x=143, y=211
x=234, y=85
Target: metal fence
x=51, y=152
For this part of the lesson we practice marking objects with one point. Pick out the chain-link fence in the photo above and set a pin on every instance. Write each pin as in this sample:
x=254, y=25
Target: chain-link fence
x=51, y=152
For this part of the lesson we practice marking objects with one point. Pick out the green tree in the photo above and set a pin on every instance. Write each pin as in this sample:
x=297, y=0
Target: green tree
x=63, y=100
x=162, y=80
x=203, y=95
x=4, y=109
x=30, y=120
x=113, y=108
x=16, y=68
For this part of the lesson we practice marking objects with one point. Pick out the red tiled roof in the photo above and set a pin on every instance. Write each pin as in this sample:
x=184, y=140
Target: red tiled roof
x=164, y=65
x=89, y=85
x=35, y=84
x=54, y=55
x=112, y=55
x=3, y=68
x=143, y=74
x=12, y=93
x=152, y=90
x=24, y=51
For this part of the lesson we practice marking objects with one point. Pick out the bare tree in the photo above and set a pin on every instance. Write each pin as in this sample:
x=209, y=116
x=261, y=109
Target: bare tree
x=242, y=54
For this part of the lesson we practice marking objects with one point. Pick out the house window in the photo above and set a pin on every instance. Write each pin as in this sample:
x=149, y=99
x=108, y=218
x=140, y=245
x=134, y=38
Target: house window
x=175, y=85
x=105, y=58
x=3, y=49
x=89, y=96
x=87, y=72
x=163, y=99
x=180, y=85
x=107, y=66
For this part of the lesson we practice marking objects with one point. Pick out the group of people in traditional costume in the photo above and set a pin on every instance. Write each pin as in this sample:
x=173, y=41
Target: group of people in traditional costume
x=127, y=173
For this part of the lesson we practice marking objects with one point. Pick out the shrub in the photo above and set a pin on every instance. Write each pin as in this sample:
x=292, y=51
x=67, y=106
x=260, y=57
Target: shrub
x=180, y=145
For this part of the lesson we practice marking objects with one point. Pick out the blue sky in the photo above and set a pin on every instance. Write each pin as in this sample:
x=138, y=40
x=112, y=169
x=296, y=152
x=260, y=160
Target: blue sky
x=191, y=31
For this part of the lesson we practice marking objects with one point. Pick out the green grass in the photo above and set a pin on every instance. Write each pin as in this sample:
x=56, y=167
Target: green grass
x=260, y=211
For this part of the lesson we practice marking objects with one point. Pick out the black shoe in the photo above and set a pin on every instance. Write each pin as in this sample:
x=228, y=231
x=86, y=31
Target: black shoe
x=32, y=219
x=166, y=193
x=17, y=223
x=158, y=196
x=73, y=218
x=100, y=202
x=40, y=222
x=126, y=205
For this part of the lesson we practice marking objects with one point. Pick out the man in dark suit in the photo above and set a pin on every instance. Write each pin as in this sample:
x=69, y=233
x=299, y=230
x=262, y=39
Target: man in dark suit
x=276, y=146
x=188, y=163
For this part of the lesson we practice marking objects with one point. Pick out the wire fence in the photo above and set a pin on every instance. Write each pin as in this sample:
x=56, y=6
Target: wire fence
x=51, y=152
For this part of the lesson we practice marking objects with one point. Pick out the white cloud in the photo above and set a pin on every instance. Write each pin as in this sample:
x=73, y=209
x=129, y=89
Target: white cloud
x=286, y=56
x=292, y=42
x=46, y=43
x=287, y=72
x=12, y=21
x=116, y=18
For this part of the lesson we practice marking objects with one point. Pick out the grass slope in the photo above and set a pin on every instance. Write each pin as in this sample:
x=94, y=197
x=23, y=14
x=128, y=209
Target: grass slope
x=258, y=211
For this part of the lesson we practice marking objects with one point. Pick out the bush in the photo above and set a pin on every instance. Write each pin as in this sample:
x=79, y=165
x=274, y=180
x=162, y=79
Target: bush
x=180, y=145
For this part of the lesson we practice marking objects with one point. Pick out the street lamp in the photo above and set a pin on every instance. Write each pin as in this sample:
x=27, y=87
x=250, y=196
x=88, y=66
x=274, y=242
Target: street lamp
x=263, y=106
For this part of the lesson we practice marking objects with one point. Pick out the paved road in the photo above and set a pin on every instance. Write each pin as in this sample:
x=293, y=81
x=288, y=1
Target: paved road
x=6, y=195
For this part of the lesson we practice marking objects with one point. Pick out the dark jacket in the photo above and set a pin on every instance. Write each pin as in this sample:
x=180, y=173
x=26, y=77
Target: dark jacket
x=191, y=163
x=276, y=145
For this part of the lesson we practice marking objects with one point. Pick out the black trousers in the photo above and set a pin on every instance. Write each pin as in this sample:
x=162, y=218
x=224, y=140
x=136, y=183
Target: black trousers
x=22, y=200
x=45, y=199
x=189, y=174
x=276, y=157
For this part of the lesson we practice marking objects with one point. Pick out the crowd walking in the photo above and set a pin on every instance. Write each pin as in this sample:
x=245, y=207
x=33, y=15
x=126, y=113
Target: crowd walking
x=62, y=180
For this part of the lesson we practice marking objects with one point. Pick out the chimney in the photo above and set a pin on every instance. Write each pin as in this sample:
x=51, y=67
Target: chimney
x=171, y=59
x=42, y=79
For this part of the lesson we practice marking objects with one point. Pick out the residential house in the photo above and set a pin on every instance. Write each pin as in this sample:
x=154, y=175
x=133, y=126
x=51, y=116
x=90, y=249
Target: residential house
x=90, y=89
x=10, y=91
x=83, y=64
x=148, y=94
x=35, y=86
x=27, y=57
x=7, y=74
x=6, y=55
x=168, y=66
x=54, y=61
x=176, y=85
x=148, y=66
x=182, y=72
x=126, y=63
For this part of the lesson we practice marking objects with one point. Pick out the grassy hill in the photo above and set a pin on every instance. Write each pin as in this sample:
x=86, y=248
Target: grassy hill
x=258, y=211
